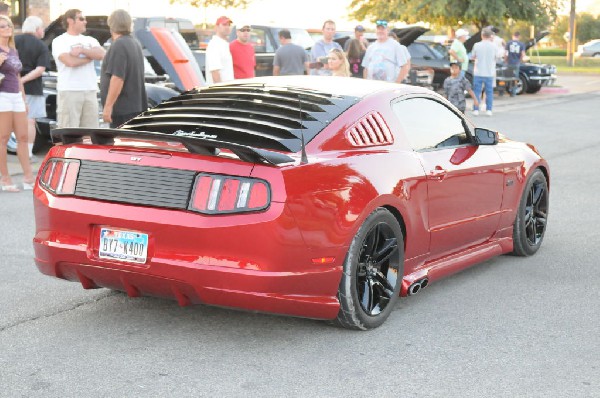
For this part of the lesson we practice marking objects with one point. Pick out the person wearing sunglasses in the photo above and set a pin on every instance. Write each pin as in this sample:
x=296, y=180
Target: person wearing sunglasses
x=77, y=83
x=386, y=59
x=13, y=116
x=319, y=51
x=242, y=53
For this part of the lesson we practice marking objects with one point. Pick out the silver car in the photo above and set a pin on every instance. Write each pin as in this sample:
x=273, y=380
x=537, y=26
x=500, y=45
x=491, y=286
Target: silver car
x=589, y=49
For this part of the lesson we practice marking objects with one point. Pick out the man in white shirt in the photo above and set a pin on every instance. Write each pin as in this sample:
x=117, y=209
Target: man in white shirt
x=484, y=53
x=386, y=59
x=77, y=82
x=219, y=63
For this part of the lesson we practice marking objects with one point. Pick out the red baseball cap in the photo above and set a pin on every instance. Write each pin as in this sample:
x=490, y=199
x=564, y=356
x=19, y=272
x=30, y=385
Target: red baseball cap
x=224, y=21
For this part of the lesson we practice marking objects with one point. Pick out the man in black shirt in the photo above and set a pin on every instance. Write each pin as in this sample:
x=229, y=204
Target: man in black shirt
x=122, y=89
x=35, y=59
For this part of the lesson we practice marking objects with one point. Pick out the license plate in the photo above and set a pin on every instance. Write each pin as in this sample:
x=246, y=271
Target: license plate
x=128, y=246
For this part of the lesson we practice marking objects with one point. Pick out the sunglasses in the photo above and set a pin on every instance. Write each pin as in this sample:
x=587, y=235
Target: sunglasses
x=381, y=22
x=80, y=18
x=245, y=30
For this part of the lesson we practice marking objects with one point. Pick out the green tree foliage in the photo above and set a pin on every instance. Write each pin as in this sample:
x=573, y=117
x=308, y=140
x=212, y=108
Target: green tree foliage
x=216, y=3
x=449, y=12
x=588, y=28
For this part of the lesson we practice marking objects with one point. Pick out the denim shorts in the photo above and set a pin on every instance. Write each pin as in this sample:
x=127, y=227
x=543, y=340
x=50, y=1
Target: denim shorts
x=11, y=102
x=36, y=106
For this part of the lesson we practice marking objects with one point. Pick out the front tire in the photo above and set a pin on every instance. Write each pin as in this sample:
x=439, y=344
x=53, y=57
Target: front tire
x=532, y=216
x=373, y=271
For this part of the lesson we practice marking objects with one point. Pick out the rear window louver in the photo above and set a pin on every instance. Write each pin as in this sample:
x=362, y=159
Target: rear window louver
x=370, y=130
x=257, y=115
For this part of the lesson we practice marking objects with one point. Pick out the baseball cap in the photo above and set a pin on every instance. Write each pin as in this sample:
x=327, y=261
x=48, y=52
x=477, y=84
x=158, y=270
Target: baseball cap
x=223, y=21
x=381, y=22
x=462, y=32
x=359, y=28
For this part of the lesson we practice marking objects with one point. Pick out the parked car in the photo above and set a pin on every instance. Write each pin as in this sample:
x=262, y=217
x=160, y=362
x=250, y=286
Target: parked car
x=589, y=49
x=426, y=54
x=299, y=195
x=532, y=76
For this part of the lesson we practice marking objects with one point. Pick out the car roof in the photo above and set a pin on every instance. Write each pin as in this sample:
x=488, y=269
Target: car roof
x=272, y=113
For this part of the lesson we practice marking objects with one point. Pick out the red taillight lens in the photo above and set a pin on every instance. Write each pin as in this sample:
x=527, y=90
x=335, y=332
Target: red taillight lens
x=59, y=176
x=219, y=194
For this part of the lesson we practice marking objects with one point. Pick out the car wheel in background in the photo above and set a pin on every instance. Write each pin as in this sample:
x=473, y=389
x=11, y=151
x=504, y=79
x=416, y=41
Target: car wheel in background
x=532, y=216
x=534, y=88
x=597, y=55
x=372, y=274
x=522, y=85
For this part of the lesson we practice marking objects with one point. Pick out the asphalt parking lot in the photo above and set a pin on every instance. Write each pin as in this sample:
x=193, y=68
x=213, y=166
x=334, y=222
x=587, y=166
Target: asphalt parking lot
x=508, y=327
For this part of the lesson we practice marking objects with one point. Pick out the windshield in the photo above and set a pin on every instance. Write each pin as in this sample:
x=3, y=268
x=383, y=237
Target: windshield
x=299, y=37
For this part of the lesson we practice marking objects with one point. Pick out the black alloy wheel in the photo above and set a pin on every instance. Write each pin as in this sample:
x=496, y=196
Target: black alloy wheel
x=373, y=272
x=532, y=216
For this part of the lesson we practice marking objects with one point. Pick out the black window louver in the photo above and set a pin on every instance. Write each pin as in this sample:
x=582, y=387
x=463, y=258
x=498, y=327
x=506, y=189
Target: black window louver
x=257, y=115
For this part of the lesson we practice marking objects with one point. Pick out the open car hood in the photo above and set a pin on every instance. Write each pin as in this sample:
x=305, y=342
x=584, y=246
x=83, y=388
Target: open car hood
x=477, y=37
x=406, y=36
x=167, y=46
x=173, y=54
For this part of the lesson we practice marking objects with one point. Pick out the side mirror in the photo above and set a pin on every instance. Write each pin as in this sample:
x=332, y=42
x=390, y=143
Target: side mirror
x=485, y=136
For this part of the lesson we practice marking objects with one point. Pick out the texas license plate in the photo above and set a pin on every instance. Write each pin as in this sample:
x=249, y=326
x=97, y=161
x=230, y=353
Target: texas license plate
x=128, y=246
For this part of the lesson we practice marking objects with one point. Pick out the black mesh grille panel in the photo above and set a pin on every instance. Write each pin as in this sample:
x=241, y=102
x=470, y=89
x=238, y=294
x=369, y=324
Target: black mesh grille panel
x=140, y=185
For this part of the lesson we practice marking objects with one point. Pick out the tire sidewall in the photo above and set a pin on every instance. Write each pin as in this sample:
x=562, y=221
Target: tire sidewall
x=348, y=284
x=521, y=245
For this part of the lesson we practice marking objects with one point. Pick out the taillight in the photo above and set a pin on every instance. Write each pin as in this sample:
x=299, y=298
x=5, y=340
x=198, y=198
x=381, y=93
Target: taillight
x=59, y=176
x=220, y=194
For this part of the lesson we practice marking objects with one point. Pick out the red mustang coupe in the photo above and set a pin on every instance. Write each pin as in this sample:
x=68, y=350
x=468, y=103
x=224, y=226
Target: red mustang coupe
x=320, y=197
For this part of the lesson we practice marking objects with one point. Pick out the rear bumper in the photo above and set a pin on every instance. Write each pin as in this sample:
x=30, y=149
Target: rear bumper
x=260, y=265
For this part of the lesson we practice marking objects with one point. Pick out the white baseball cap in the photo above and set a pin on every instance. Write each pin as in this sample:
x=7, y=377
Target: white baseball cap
x=461, y=33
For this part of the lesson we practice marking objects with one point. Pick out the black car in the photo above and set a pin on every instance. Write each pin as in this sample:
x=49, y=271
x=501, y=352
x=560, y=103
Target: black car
x=532, y=76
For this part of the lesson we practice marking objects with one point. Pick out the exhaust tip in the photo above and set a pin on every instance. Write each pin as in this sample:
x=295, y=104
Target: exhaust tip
x=414, y=288
x=424, y=283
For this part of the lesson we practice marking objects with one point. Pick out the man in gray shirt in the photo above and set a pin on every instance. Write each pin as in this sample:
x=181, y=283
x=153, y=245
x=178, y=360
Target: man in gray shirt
x=290, y=58
x=484, y=53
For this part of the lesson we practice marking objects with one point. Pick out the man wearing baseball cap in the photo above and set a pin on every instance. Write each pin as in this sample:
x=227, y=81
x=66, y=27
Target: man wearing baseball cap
x=219, y=64
x=458, y=52
x=242, y=52
x=386, y=59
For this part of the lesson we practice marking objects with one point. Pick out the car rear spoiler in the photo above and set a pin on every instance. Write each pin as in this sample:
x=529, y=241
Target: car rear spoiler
x=194, y=142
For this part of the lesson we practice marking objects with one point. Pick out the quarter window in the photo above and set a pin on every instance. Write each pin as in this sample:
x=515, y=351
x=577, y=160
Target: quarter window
x=429, y=124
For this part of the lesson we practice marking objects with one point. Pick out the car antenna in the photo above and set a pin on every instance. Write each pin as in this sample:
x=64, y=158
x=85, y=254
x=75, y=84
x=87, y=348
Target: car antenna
x=303, y=157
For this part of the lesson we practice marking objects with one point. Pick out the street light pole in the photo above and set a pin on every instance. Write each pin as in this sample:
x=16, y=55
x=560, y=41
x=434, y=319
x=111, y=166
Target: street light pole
x=572, y=41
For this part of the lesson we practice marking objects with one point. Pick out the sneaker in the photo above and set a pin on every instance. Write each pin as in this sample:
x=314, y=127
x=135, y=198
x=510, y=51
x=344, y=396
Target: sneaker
x=489, y=113
x=475, y=113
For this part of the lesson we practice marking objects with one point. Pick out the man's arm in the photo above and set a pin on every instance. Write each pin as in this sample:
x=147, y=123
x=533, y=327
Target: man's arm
x=94, y=53
x=404, y=70
x=276, y=70
x=73, y=61
x=34, y=74
x=216, y=75
x=307, y=68
x=115, y=86
x=365, y=73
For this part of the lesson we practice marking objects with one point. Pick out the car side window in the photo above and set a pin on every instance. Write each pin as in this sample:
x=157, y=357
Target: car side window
x=261, y=41
x=418, y=50
x=430, y=125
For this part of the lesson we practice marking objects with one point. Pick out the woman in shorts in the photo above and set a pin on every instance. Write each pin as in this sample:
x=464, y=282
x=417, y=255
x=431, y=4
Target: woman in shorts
x=13, y=115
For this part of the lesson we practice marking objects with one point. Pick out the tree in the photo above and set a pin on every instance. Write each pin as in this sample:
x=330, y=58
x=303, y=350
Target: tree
x=588, y=28
x=449, y=12
x=216, y=3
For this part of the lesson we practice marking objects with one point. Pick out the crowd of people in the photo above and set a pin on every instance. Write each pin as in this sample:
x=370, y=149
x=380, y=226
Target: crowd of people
x=385, y=59
x=23, y=60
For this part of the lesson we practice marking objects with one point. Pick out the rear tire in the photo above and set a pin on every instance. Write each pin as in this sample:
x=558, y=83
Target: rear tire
x=373, y=271
x=532, y=216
